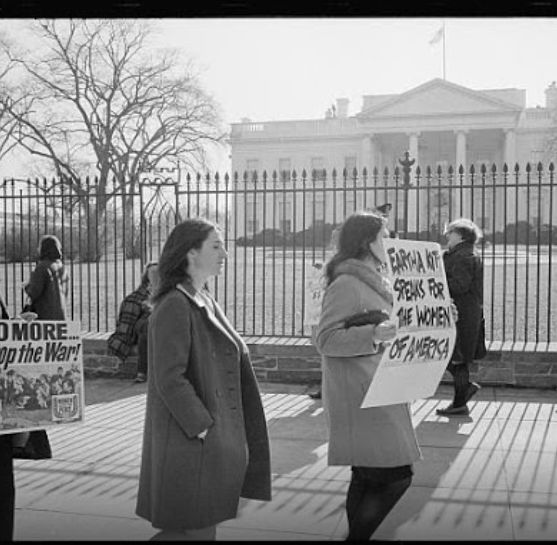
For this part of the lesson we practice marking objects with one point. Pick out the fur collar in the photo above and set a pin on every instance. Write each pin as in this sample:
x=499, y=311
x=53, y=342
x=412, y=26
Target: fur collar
x=377, y=281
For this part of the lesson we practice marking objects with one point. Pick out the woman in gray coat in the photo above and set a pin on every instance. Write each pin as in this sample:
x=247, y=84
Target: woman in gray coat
x=205, y=440
x=379, y=443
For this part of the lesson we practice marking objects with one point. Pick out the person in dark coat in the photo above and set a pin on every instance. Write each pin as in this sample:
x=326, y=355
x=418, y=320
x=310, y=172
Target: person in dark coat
x=19, y=445
x=205, y=441
x=49, y=282
x=464, y=270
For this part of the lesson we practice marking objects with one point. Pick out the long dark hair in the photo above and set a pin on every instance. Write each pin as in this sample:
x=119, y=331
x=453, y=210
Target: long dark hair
x=173, y=262
x=50, y=248
x=354, y=237
x=145, y=275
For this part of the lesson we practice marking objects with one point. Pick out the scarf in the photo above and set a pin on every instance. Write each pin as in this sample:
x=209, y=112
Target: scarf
x=377, y=281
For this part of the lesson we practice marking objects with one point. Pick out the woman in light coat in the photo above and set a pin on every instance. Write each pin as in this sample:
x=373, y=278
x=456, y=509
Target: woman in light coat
x=205, y=440
x=379, y=443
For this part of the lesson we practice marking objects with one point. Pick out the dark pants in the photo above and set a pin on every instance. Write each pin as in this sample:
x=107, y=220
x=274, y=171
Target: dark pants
x=7, y=489
x=461, y=377
x=372, y=493
x=141, y=328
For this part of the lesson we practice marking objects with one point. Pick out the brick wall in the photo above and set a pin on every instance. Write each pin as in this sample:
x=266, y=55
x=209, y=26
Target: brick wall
x=296, y=361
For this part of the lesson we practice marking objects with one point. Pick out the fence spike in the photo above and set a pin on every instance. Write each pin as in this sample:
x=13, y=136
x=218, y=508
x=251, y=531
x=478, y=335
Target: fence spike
x=226, y=178
x=540, y=167
x=274, y=176
x=236, y=177
x=450, y=171
x=188, y=177
x=245, y=176
x=364, y=172
x=551, y=167
x=334, y=174
x=264, y=176
x=483, y=168
x=493, y=168
x=216, y=178
x=516, y=167
x=294, y=175
x=528, y=168
x=461, y=169
x=439, y=170
x=198, y=178
x=505, y=168
x=418, y=170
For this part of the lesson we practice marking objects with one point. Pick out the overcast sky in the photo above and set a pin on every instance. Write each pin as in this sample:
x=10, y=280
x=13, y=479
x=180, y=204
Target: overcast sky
x=268, y=69
x=295, y=68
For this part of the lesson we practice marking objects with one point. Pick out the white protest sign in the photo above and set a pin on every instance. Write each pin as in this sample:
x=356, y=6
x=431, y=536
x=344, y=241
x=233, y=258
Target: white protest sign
x=41, y=374
x=414, y=361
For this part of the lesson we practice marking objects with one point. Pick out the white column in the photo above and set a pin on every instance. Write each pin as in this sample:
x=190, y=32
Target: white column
x=368, y=154
x=510, y=160
x=510, y=148
x=461, y=160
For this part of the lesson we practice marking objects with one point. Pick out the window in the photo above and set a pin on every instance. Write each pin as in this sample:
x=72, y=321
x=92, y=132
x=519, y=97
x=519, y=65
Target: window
x=319, y=208
x=318, y=165
x=285, y=216
x=350, y=163
x=285, y=169
x=251, y=214
x=252, y=166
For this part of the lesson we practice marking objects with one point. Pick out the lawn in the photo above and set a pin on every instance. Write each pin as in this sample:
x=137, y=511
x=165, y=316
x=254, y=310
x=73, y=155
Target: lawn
x=263, y=293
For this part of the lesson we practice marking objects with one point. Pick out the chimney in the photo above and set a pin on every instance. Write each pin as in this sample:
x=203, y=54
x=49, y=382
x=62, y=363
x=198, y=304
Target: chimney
x=342, y=107
x=551, y=96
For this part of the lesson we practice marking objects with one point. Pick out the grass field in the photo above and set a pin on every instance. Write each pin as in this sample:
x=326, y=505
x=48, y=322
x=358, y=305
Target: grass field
x=263, y=293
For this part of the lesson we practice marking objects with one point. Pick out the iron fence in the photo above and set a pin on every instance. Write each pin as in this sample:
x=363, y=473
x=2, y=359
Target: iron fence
x=276, y=226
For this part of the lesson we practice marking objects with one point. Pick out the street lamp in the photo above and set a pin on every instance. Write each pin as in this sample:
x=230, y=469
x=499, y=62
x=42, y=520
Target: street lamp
x=406, y=164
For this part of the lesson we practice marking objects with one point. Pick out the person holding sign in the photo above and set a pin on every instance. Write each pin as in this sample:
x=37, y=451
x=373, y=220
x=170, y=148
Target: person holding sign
x=464, y=270
x=33, y=445
x=378, y=442
x=205, y=441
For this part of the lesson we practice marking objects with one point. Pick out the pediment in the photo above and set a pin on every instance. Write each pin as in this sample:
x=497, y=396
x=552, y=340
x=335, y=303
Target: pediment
x=439, y=97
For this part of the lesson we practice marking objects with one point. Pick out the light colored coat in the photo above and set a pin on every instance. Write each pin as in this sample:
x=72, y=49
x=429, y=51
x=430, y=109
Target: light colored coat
x=370, y=437
x=199, y=377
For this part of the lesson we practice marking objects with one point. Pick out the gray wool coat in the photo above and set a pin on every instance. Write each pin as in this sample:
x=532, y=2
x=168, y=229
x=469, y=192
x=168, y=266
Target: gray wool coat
x=199, y=376
x=374, y=436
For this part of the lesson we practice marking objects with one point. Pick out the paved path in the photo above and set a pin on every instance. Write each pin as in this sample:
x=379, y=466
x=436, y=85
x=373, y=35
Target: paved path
x=491, y=476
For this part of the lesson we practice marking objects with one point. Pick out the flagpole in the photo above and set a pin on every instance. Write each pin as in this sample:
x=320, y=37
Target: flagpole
x=444, y=32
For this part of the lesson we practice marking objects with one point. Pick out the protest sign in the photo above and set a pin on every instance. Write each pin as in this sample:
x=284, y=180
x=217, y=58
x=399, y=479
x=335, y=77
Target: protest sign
x=413, y=363
x=41, y=374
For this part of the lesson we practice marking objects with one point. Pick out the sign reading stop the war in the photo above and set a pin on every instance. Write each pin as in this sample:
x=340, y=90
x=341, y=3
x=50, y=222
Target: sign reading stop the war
x=41, y=374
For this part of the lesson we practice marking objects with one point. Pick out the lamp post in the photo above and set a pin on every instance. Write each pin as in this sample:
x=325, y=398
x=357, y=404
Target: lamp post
x=406, y=164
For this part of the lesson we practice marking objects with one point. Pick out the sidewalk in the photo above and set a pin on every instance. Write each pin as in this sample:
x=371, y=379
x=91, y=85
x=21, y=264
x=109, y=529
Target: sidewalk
x=490, y=476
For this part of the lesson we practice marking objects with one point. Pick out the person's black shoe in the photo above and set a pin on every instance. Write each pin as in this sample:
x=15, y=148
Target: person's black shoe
x=453, y=411
x=473, y=388
x=315, y=395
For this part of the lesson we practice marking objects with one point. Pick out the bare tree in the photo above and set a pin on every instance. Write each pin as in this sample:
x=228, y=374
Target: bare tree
x=8, y=124
x=95, y=94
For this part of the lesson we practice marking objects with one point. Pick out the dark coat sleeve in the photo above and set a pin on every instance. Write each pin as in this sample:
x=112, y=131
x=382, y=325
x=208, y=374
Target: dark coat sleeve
x=170, y=340
x=4, y=310
x=460, y=278
x=37, y=282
